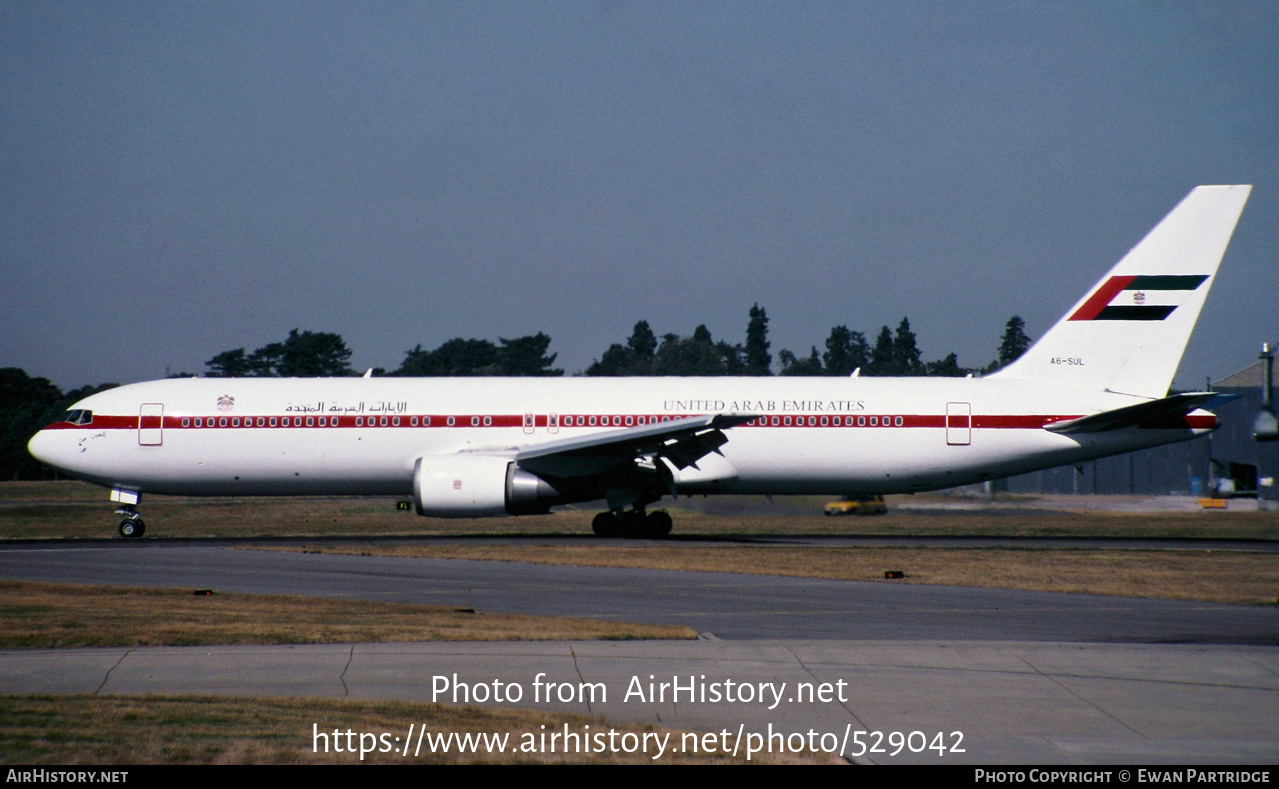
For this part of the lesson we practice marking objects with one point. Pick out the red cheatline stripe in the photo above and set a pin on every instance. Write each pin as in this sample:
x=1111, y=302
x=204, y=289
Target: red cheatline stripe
x=508, y=421
x=1101, y=298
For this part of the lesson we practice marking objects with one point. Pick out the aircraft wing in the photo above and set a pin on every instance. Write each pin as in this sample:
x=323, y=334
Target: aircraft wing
x=681, y=441
x=1154, y=413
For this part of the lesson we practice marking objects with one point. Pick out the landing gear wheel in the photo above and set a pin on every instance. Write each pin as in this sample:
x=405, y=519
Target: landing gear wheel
x=634, y=525
x=658, y=524
x=132, y=528
x=606, y=525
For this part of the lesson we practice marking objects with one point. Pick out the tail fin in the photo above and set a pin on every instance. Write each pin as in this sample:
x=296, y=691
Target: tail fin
x=1128, y=333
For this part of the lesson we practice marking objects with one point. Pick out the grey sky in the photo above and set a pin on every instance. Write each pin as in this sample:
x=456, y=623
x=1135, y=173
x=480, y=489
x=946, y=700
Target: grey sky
x=179, y=179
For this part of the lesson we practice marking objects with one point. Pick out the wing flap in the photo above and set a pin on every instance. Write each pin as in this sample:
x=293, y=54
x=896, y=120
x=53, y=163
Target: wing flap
x=681, y=441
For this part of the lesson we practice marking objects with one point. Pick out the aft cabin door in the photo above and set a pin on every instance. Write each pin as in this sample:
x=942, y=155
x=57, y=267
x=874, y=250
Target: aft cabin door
x=151, y=424
x=959, y=424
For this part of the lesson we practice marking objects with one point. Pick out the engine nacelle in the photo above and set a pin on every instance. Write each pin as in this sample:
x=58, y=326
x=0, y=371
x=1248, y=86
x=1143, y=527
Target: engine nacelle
x=477, y=486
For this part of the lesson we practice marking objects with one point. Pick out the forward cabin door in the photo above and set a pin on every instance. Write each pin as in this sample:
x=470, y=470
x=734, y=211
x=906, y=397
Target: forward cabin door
x=151, y=424
x=959, y=424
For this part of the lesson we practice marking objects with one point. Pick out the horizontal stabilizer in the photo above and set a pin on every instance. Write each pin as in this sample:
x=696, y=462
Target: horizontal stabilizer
x=1155, y=413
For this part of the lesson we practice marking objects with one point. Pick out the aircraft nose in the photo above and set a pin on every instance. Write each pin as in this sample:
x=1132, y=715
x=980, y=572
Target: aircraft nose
x=47, y=448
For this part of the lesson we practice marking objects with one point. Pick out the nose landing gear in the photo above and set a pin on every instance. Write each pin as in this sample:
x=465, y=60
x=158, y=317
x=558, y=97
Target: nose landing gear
x=132, y=526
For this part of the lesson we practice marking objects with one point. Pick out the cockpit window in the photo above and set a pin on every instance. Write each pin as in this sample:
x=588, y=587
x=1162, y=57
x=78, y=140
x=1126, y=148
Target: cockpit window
x=79, y=416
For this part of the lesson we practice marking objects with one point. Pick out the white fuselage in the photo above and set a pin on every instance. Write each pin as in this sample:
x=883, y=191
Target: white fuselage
x=362, y=436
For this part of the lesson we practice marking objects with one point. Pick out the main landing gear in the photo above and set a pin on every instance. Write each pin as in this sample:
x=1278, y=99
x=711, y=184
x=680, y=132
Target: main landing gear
x=632, y=523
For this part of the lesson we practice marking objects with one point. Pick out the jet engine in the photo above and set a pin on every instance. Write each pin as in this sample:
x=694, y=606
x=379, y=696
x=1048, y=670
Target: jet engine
x=477, y=486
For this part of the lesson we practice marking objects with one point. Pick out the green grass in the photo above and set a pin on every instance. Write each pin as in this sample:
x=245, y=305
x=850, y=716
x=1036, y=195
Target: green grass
x=75, y=510
x=141, y=730
x=72, y=615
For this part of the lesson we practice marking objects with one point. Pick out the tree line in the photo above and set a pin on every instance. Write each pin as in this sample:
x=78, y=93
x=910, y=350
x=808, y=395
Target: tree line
x=323, y=354
x=893, y=353
x=309, y=354
x=28, y=404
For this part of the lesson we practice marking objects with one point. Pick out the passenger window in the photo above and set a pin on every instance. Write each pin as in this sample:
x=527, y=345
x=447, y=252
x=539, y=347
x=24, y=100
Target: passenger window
x=222, y=421
x=861, y=421
x=426, y=421
x=452, y=421
x=395, y=421
x=897, y=420
x=488, y=421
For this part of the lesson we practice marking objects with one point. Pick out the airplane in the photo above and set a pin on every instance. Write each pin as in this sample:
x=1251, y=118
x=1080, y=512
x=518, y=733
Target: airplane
x=1095, y=384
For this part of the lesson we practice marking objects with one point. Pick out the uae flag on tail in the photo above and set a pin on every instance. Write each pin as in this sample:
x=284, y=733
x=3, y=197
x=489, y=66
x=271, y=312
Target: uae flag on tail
x=1138, y=298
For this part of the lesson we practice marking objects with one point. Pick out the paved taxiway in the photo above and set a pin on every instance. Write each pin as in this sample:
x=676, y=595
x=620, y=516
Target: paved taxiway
x=1028, y=677
x=729, y=605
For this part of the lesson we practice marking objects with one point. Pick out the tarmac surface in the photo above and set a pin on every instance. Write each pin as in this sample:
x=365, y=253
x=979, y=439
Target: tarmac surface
x=728, y=605
x=1022, y=677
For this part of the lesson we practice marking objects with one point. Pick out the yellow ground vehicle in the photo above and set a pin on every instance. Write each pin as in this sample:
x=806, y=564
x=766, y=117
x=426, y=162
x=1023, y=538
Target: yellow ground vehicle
x=857, y=505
